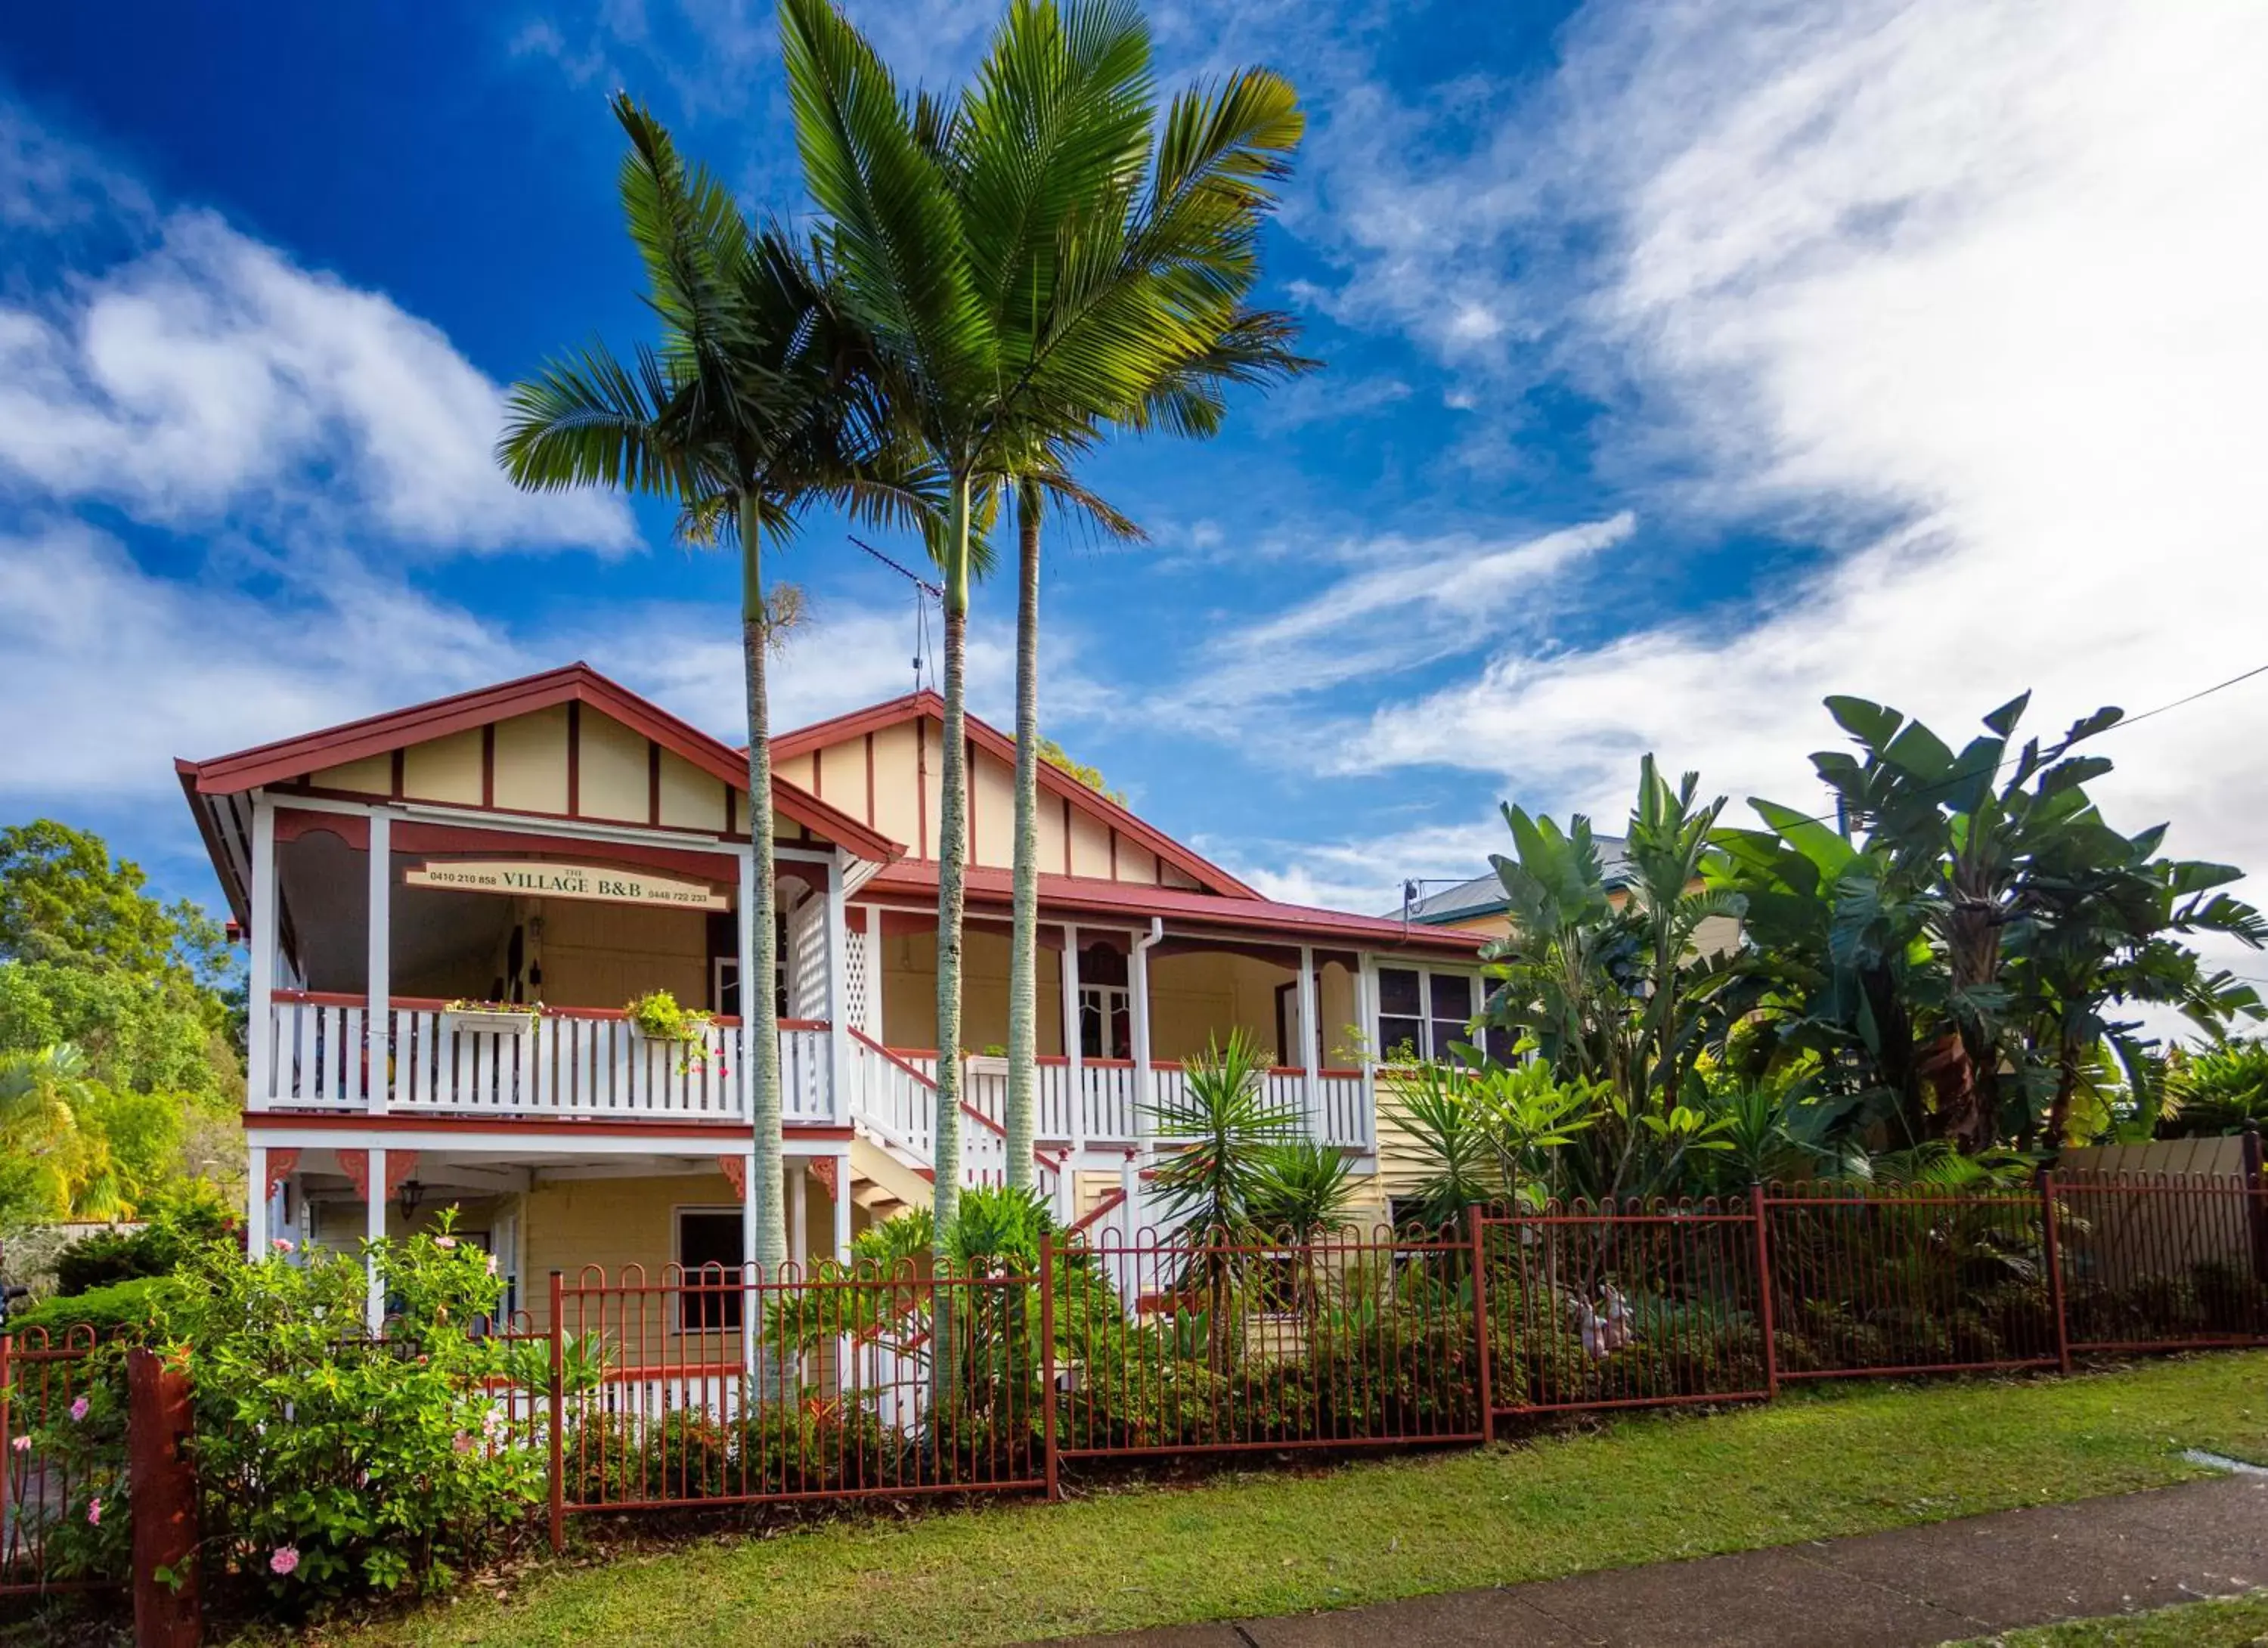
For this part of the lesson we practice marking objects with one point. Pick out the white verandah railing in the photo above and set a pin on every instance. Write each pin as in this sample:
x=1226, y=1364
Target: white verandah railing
x=568, y=1062
x=1106, y=1090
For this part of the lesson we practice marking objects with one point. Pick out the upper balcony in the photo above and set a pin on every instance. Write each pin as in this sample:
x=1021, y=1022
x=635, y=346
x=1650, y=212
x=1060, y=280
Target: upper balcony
x=422, y=1057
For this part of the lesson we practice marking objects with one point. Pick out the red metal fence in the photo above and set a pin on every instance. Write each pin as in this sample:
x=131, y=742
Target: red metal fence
x=707, y=1389
x=65, y=1517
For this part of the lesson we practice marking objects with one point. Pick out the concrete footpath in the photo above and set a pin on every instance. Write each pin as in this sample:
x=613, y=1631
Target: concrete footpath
x=1912, y=1587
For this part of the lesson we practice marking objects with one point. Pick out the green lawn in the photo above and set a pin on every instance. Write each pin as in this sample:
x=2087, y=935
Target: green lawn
x=2241, y=1623
x=1821, y=1462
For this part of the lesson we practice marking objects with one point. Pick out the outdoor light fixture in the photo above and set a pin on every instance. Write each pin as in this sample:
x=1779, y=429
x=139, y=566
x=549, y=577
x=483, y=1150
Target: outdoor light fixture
x=409, y=1197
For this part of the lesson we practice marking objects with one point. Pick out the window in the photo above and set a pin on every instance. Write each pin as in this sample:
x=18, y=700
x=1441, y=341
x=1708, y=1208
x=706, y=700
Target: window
x=1105, y=1021
x=709, y=1254
x=725, y=979
x=1106, y=1004
x=1421, y=1011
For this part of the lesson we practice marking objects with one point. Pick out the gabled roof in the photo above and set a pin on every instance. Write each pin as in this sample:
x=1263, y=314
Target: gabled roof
x=927, y=705
x=576, y=683
x=1484, y=895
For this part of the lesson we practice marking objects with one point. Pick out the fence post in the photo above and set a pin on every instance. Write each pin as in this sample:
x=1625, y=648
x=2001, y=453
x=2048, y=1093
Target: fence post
x=164, y=1485
x=558, y=1420
x=1764, y=1291
x=1481, y=1323
x=1047, y=1360
x=2256, y=1203
x=2052, y=1223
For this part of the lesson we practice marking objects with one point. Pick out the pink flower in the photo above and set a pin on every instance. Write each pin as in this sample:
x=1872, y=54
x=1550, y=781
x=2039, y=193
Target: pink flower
x=280, y=1245
x=444, y=1241
x=285, y=1559
x=79, y=1410
x=22, y=1445
x=94, y=1512
x=462, y=1442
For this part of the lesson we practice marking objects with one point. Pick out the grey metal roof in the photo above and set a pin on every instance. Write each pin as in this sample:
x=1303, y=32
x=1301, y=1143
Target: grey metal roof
x=1483, y=894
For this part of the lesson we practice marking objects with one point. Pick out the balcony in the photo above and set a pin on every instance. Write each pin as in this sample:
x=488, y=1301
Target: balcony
x=567, y=1062
x=1093, y=1102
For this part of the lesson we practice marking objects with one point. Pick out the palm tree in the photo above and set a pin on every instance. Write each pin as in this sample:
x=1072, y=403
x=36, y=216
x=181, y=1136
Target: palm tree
x=1031, y=272
x=757, y=403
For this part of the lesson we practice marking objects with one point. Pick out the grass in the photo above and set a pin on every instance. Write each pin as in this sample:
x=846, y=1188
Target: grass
x=1821, y=1462
x=2240, y=1622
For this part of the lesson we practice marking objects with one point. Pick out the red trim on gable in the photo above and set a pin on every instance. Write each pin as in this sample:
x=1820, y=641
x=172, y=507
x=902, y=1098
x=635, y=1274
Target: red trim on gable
x=574, y=685
x=575, y=760
x=925, y=706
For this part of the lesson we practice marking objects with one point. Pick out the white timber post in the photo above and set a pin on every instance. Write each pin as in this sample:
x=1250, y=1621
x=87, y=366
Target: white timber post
x=1310, y=1036
x=799, y=1204
x=255, y=1202
x=745, y=924
x=260, y=1020
x=1074, y=1056
x=1144, y=1128
x=374, y=1229
x=378, y=1018
x=843, y=1207
x=751, y=1300
x=1366, y=1018
x=838, y=997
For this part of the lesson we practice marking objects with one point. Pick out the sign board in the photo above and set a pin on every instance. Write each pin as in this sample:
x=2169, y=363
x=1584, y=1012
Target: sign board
x=528, y=878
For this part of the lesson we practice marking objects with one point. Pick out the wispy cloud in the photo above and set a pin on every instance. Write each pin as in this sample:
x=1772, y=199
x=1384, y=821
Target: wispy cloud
x=1397, y=603
x=210, y=376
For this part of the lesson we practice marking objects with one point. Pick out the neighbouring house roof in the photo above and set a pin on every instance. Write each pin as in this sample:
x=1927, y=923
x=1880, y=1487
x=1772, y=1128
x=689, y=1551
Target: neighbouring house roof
x=916, y=878
x=212, y=784
x=1484, y=895
x=927, y=705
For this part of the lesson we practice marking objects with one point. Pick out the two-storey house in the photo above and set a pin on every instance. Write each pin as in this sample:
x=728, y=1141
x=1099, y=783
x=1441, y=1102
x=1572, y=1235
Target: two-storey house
x=557, y=845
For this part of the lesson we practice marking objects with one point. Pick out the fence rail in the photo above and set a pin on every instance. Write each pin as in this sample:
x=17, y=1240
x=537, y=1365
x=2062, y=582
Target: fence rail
x=713, y=1388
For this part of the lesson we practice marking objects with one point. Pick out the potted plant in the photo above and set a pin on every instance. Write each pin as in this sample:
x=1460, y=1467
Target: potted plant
x=501, y=1017
x=656, y=1016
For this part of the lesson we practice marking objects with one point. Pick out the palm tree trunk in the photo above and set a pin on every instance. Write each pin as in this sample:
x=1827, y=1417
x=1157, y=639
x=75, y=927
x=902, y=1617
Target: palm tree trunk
x=759, y=1012
x=1024, y=935
x=952, y=868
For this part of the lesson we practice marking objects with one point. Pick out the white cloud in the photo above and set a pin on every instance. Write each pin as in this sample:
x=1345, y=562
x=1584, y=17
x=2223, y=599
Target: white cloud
x=1400, y=603
x=113, y=673
x=1988, y=270
x=210, y=377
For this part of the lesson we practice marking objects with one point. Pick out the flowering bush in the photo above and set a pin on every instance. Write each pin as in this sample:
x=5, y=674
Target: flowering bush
x=334, y=1463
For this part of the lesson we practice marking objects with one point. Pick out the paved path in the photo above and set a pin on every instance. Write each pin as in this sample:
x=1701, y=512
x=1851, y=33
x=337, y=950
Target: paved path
x=1904, y=1589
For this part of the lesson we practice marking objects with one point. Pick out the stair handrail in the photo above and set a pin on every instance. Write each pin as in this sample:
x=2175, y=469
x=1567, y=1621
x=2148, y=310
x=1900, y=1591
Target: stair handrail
x=1054, y=1164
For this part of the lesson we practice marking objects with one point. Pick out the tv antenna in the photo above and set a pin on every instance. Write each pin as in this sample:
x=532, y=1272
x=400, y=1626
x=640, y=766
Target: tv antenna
x=924, y=593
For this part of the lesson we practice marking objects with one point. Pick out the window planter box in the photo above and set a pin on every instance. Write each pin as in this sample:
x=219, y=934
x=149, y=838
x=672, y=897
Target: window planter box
x=495, y=1021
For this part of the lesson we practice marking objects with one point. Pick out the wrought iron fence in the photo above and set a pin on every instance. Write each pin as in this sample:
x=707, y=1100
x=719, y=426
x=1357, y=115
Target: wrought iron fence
x=65, y=1513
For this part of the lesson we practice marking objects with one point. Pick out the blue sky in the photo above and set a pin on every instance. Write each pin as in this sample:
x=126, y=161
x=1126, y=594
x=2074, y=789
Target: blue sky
x=1686, y=362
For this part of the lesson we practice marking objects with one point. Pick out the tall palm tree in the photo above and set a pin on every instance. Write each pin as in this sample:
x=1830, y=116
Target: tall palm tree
x=1187, y=399
x=1030, y=269
x=757, y=403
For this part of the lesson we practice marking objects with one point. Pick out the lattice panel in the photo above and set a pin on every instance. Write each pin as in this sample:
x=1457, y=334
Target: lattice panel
x=859, y=1008
x=806, y=968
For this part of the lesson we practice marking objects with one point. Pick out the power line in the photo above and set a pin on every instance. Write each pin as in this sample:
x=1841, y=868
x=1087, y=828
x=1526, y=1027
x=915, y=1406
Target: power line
x=2122, y=722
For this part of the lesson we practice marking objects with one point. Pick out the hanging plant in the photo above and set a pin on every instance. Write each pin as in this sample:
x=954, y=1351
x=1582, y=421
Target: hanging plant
x=658, y=1017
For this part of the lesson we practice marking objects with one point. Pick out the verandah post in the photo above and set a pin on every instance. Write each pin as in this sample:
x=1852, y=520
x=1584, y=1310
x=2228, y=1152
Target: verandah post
x=2050, y=1224
x=1481, y=1322
x=1764, y=1289
x=558, y=1420
x=1048, y=1361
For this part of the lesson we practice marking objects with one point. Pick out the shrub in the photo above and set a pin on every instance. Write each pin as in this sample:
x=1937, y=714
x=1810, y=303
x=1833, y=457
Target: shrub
x=136, y=1310
x=333, y=1463
x=182, y=1221
x=66, y=1478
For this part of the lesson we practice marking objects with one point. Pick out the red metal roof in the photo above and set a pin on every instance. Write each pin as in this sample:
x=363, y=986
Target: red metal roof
x=926, y=704
x=379, y=734
x=1298, y=923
